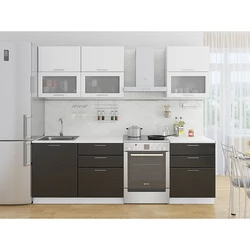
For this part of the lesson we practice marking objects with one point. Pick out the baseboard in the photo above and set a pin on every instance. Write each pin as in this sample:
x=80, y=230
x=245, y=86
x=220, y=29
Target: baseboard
x=191, y=200
x=42, y=200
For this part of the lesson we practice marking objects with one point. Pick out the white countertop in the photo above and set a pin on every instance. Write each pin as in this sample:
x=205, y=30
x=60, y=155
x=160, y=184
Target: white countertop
x=186, y=139
x=88, y=139
x=119, y=139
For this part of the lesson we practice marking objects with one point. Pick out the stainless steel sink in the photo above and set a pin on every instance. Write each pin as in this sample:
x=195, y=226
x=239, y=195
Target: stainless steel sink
x=58, y=138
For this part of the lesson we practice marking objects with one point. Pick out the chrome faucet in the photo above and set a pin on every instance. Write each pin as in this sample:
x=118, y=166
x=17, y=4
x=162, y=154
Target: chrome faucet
x=61, y=132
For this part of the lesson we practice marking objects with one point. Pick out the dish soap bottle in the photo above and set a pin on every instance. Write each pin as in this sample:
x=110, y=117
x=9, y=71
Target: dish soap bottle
x=176, y=127
x=181, y=126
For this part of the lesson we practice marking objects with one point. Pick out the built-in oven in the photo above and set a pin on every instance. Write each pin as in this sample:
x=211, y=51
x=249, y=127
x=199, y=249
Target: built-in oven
x=146, y=172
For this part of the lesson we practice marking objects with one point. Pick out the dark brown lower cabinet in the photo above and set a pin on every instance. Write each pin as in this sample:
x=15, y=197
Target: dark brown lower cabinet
x=192, y=182
x=54, y=170
x=100, y=182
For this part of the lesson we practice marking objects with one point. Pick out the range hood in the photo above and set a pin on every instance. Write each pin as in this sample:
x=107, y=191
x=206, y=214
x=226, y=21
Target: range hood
x=145, y=67
x=145, y=71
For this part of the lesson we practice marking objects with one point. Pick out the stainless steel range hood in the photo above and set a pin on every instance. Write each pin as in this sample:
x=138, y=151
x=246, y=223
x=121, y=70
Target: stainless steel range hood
x=145, y=67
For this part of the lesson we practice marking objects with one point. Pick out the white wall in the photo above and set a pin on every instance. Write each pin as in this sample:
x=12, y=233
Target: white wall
x=127, y=39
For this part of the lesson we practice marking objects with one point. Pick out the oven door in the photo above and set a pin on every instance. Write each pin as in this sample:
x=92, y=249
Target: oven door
x=146, y=171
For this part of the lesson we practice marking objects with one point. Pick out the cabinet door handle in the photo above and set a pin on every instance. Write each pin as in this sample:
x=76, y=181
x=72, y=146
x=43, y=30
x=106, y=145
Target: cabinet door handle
x=193, y=158
x=54, y=145
x=100, y=170
x=193, y=145
x=58, y=69
x=102, y=145
x=193, y=170
x=100, y=157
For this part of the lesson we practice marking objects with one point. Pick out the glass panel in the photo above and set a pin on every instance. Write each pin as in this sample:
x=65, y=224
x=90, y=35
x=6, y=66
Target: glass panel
x=188, y=84
x=102, y=84
x=59, y=84
x=146, y=173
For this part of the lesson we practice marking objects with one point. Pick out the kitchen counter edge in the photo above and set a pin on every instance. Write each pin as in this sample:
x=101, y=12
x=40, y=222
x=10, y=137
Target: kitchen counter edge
x=84, y=139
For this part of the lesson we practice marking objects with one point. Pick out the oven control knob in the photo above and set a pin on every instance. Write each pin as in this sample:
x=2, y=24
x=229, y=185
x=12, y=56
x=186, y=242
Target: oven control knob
x=129, y=148
x=159, y=148
x=164, y=148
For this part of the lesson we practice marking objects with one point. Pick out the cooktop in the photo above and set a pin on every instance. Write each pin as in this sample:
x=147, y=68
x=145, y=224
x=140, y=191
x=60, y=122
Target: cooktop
x=142, y=139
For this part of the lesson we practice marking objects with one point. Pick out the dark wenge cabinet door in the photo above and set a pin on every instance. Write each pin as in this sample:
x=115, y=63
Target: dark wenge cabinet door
x=192, y=161
x=100, y=149
x=100, y=161
x=54, y=170
x=100, y=182
x=192, y=182
x=192, y=149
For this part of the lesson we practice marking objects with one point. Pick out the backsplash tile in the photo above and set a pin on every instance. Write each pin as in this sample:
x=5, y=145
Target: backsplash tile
x=146, y=114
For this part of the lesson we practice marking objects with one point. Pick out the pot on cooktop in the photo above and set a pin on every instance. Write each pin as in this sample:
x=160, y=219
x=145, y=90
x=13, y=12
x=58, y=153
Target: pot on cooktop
x=134, y=131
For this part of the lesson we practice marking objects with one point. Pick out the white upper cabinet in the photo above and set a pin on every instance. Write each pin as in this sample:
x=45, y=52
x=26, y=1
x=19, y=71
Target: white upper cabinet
x=104, y=58
x=59, y=58
x=187, y=58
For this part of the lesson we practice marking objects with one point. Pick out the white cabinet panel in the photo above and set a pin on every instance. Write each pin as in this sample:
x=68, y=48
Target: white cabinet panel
x=187, y=58
x=59, y=58
x=65, y=84
x=103, y=58
x=187, y=84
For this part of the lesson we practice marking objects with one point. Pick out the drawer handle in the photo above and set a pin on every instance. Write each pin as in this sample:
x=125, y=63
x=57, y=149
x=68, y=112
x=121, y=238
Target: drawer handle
x=101, y=69
x=193, y=170
x=193, y=158
x=54, y=145
x=100, y=145
x=100, y=157
x=100, y=170
x=187, y=69
x=147, y=155
x=194, y=145
x=58, y=69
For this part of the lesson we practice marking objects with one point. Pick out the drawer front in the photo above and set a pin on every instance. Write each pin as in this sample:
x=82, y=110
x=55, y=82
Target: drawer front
x=100, y=161
x=192, y=162
x=54, y=153
x=100, y=149
x=192, y=182
x=100, y=182
x=192, y=148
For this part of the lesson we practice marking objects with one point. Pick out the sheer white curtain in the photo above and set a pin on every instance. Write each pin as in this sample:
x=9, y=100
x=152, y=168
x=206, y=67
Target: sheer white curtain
x=227, y=110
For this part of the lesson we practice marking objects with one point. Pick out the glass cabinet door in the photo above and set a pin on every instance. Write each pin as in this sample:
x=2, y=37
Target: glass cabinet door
x=63, y=84
x=187, y=84
x=102, y=84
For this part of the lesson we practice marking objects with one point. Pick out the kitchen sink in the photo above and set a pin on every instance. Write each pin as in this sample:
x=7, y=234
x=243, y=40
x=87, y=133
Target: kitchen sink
x=58, y=138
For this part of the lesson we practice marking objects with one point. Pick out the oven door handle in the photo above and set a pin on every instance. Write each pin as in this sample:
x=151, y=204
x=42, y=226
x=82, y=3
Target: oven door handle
x=154, y=155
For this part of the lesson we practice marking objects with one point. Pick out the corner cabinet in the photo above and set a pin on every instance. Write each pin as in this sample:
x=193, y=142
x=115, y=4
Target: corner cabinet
x=102, y=71
x=187, y=70
x=192, y=170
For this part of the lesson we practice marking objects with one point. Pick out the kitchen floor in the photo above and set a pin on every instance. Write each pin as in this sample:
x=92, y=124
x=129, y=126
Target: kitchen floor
x=218, y=210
